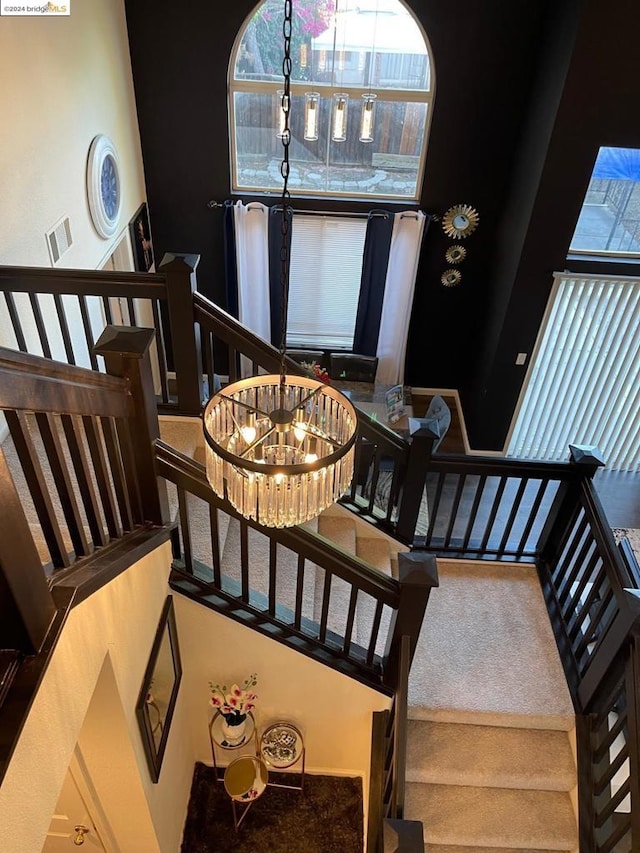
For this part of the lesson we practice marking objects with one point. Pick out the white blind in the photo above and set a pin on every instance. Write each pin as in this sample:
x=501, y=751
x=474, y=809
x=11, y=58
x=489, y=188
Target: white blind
x=584, y=383
x=326, y=266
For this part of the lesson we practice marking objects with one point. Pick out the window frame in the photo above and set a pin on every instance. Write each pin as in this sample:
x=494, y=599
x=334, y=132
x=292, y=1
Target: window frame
x=383, y=94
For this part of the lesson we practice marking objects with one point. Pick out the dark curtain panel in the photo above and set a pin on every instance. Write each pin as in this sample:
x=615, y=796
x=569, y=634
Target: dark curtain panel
x=374, y=272
x=230, y=263
x=275, y=269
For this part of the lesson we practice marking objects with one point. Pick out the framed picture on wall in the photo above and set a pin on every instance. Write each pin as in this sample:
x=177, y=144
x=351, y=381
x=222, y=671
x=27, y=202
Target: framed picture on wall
x=141, y=244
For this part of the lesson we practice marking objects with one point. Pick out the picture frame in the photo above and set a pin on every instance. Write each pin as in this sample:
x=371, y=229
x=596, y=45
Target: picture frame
x=159, y=690
x=141, y=242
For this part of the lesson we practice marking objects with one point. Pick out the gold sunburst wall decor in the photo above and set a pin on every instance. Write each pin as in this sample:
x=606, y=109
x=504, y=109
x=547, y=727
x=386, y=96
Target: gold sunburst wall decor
x=460, y=221
x=455, y=254
x=451, y=278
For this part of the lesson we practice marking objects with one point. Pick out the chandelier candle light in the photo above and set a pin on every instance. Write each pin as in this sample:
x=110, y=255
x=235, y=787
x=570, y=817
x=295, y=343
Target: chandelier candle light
x=281, y=446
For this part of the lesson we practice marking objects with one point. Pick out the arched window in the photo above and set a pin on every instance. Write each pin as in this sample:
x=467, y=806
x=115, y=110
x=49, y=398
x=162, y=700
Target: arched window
x=362, y=93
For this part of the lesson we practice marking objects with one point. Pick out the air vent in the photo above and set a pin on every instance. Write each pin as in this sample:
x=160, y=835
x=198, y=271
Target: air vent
x=59, y=239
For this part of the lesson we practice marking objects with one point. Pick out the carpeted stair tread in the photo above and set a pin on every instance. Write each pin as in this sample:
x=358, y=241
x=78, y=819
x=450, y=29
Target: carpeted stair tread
x=456, y=848
x=375, y=551
x=183, y=434
x=493, y=817
x=489, y=756
x=486, y=652
x=342, y=531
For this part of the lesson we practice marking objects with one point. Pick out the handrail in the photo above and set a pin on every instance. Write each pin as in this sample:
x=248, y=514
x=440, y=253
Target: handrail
x=82, y=282
x=190, y=475
x=237, y=335
x=30, y=382
x=452, y=463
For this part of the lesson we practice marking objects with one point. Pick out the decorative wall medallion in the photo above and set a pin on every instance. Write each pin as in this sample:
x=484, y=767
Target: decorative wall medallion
x=451, y=278
x=103, y=186
x=455, y=254
x=460, y=221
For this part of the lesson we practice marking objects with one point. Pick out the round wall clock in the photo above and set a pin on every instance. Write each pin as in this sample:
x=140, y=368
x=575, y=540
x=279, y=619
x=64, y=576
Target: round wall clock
x=103, y=186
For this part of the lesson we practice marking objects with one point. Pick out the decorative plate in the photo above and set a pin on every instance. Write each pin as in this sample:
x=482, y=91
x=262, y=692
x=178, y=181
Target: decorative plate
x=103, y=186
x=451, y=278
x=460, y=221
x=455, y=254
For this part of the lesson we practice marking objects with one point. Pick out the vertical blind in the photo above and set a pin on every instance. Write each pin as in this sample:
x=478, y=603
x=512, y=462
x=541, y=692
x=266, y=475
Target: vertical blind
x=324, y=281
x=584, y=381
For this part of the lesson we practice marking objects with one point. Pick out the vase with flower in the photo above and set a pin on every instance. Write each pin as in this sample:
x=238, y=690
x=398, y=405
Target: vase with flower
x=234, y=703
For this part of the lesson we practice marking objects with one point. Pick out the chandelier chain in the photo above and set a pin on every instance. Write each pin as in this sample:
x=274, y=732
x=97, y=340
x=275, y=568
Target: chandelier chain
x=287, y=27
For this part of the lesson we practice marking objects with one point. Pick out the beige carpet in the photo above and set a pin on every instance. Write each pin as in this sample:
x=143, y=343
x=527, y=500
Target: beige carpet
x=486, y=653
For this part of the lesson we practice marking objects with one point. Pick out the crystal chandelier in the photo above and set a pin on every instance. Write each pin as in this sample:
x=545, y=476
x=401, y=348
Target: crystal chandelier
x=281, y=446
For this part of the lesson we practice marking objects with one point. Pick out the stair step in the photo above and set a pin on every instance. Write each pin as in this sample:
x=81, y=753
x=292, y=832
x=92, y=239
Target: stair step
x=340, y=530
x=375, y=551
x=489, y=756
x=456, y=848
x=486, y=652
x=493, y=817
x=184, y=434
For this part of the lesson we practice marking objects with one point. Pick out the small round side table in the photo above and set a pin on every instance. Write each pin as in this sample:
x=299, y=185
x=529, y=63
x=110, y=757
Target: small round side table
x=245, y=780
x=282, y=746
x=217, y=739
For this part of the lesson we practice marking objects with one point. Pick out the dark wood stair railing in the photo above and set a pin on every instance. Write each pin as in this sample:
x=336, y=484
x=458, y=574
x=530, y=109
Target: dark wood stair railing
x=545, y=513
x=84, y=446
x=389, y=607
x=385, y=816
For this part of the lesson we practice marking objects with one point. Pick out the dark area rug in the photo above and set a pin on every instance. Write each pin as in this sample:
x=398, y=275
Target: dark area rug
x=326, y=818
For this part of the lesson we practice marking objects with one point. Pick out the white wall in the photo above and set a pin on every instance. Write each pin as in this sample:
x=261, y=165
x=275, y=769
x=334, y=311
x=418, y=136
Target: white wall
x=64, y=80
x=332, y=710
x=117, y=624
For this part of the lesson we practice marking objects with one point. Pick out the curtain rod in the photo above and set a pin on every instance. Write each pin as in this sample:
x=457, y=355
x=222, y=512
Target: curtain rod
x=352, y=215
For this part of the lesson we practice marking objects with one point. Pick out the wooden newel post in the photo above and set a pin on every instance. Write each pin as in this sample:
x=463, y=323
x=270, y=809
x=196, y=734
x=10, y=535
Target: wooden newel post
x=418, y=575
x=125, y=351
x=26, y=605
x=585, y=460
x=180, y=274
x=424, y=434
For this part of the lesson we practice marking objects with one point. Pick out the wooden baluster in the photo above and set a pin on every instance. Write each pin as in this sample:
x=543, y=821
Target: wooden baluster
x=101, y=471
x=351, y=615
x=326, y=597
x=73, y=432
x=65, y=488
x=273, y=562
x=120, y=480
x=474, y=511
x=38, y=490
x=161, y=350
x=215, y=545
x=64, y=328
x=40, y=325
x=299, y=592
x=126, y=354
x=375, y=630
x=186, y=530
x=244, y=560
x=88, y=331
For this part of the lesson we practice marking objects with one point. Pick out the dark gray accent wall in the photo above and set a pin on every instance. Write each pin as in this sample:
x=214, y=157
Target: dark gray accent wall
x=525, y=93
